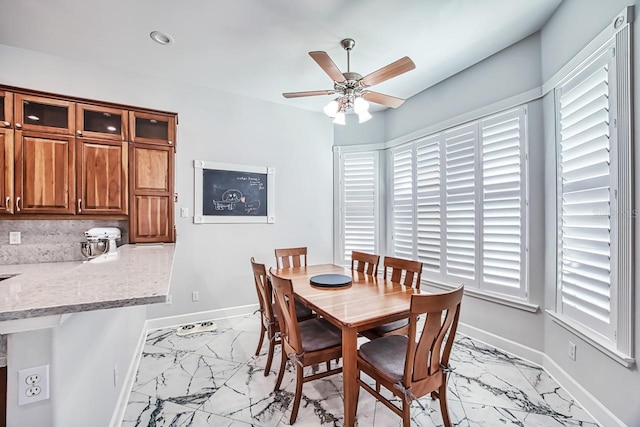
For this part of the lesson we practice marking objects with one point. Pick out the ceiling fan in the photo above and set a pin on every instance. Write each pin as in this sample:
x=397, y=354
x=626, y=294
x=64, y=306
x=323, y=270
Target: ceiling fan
x=352, y=88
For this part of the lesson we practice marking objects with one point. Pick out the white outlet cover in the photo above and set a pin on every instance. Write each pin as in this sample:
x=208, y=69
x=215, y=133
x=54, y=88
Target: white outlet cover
x=31, y=379
x=14, y=238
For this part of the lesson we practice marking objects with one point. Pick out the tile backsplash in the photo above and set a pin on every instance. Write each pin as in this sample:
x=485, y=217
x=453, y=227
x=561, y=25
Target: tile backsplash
x=50, y=240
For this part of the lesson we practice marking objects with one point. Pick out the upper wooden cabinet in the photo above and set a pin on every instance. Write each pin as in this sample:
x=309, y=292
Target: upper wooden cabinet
x=6, y=109
x=44, y=179
x=44, y=114
x=152, y=128
x=102, y=122
x=101, y=177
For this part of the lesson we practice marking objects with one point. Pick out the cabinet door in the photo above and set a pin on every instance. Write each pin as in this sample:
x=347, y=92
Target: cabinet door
x=6, y=175
x=6, y=109
x=152, y=128
x=94, y=121
x=42, y=114
x=44, y=173
x=101, y=177
x=151, y=189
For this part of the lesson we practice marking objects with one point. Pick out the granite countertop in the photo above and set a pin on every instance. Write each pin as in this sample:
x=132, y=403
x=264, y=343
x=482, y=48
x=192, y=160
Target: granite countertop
x=136, y=275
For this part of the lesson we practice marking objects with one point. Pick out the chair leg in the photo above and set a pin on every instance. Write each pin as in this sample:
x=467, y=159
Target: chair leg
x=443, y=404
x=260, y=340
x=328, y=365
x=283, y=364
x=406, y=414
x=296, y=400
x=267, y=368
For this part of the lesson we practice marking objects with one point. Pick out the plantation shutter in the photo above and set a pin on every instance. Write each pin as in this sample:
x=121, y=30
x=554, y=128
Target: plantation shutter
x=403, y=202
x=460, y=201
x=360, y=195
x=503, y=203
x=429, y=206
x=585, y=196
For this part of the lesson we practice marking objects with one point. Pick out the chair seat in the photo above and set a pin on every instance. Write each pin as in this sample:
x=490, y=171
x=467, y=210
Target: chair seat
x=302, y=312
x=317, y=334
x=387, y=354
x=391, y=326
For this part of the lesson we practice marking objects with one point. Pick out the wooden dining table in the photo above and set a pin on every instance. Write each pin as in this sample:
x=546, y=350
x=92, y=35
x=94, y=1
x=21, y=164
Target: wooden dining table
x=368, y=302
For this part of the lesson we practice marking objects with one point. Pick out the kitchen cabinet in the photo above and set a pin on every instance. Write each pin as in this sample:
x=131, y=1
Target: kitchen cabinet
x=6, y=152
x=151, y=171
x=101, y=122
x=43, y=114
x=152, y=128
x=44, y=179
x=101, y=177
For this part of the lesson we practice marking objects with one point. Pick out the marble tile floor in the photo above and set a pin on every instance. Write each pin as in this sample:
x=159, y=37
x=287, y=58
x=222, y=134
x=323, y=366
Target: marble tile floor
x=214, y=379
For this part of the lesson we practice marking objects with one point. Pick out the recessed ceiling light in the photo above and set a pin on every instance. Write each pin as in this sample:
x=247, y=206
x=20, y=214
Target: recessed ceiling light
x=161, y=38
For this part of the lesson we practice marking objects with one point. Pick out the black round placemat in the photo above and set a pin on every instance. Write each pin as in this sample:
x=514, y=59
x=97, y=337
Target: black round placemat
x=330, y=280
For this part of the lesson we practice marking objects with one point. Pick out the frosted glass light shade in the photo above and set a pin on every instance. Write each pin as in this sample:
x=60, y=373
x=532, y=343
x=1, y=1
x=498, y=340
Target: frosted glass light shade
x=360, y=106
x=364, y=116
x=340, y=118
x=331, y=109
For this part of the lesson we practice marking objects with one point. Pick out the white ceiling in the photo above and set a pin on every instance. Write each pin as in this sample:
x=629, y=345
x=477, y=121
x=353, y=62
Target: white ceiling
x=259, y=48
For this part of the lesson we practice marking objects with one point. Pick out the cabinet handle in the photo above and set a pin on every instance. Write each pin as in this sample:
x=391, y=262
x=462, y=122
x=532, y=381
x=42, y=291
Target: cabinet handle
x=18, y=125
x=79, y=132
x=6, y=124
x=79, y=205
x=18, y=204
x=6, y=204
x=170, y=142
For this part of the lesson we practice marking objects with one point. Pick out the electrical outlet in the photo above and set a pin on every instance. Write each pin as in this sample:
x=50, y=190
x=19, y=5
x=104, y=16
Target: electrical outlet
x=572, y=351
x=33, y=384
x=14, y=238
x=169, y=300
x=195, y=296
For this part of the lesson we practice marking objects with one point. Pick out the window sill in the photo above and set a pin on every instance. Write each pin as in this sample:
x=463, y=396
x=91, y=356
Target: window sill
x=591, y=338
x=498, y=299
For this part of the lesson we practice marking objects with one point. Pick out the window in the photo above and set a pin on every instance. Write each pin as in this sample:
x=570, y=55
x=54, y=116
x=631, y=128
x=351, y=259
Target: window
x=594, y=197
x=358, y=204
x=459, y=204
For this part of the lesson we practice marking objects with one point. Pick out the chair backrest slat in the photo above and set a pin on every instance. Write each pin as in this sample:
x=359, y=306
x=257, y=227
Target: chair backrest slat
x=263, y=288
x=365, y=263
x=411, y=270
x=291, y=257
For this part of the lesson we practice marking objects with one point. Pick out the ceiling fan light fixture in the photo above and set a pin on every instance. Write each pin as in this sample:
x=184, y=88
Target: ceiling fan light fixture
x=331, y=109
x=364, y=116
x=340, y=118
x=360, y=105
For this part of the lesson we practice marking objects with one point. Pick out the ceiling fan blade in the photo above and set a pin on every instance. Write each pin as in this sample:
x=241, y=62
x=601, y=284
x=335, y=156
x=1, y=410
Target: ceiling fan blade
x=308, y=93
x=380, y=98
x=329, y=67
x=385, y=73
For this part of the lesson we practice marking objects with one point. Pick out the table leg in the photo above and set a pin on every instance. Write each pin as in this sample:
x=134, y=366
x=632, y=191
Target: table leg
x=349, y=374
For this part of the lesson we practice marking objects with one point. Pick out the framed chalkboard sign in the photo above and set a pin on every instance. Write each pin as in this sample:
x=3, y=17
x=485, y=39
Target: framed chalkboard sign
x=226, y=193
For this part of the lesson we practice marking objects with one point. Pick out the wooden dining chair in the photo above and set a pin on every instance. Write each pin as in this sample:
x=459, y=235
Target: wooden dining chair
x=408, y=273
x=291, y=257
x=305, y=343
x=268, y=316
x=411, y=369
x=365, y=263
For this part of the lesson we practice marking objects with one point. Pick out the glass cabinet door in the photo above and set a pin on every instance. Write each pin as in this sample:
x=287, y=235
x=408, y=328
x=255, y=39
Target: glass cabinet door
x=152, y=128
x=44, y=114
x=101, y=122
x=6, y=109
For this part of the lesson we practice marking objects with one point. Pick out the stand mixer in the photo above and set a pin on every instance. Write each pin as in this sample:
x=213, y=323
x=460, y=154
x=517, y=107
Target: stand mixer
x=109, y=234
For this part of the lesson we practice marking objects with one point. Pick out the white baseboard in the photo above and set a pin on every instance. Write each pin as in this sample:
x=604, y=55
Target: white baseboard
x=127, y=385
x=202, y=316
x=590, y=404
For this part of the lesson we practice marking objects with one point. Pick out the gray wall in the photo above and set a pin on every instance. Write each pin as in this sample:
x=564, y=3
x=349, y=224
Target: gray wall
x=212, y=259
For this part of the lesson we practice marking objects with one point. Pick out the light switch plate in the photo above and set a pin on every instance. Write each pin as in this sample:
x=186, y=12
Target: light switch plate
x=184, y=212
